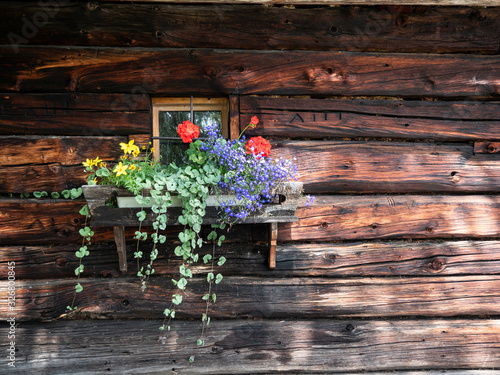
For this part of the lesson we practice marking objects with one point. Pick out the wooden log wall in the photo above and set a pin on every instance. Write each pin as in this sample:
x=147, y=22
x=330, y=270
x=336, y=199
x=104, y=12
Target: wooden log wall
x=393, y=114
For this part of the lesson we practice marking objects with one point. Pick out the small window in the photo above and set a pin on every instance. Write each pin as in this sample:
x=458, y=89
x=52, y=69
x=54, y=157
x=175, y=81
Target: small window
x=169, y=112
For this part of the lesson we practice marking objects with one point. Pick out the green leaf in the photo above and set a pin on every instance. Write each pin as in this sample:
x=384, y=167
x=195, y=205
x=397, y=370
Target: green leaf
x=66, y=194
x=212, y=236
x=214, y=297
x=182, y=283
x=207, y=258
x=210, y=277
x=75, y=193
x=55, y=195
x=199, y=342
x=177, y=299
x=40, y=194
x=141, y=215
x=221, y=261
x=84, y=210
x=221, y=239
x=78, y=288
x=218, y=278
x=205, y=297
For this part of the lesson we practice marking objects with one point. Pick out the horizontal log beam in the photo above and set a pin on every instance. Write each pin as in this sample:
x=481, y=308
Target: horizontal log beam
x=383, y=29
x=74, y=114
x=25, y=150
x=382, y=167
x=34, y=222
x=390, y=216
x=408, y=119
x=415, y=347
x=332, y=2
x=433, y=296
x=223, y=72
x=392, y=258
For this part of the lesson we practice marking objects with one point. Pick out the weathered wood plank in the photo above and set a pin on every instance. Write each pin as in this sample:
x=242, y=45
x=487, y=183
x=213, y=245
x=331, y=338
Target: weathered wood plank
x=403, y=258
x=23, y=150
x=30, y=104
x=410, y=119
x=34, y=222
x=486, y=147
x=47, y=177
x=333, y=2
x=415, y=347
x=261, y=297
x=205, y=71
x=74, y=114
x=380, y=29
x=386, y=167
x=392, y=216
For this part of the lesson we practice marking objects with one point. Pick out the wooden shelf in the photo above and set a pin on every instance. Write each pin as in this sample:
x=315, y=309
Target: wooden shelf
x=119, y=218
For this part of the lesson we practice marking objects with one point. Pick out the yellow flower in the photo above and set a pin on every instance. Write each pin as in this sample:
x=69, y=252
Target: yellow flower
x=88, y=163
x=152, y=149
x=102, y=165
x=120, y=169
x=144, y=147
x=95, y=180
x=132, y=167
x=96, y=161
x=136, y=151
x=128, y=148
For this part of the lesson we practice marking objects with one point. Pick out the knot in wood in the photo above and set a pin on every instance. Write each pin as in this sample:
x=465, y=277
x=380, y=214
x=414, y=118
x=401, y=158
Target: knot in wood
x=491, y=148
x=436, y=265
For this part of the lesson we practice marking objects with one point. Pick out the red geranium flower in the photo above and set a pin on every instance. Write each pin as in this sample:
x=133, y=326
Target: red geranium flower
x=258, y=146
x=254, y=121
x=187, y=130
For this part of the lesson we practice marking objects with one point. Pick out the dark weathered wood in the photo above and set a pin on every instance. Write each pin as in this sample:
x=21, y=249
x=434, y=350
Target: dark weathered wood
x=259, y=347
x=411, y=119
x=393, y=216
x=261, y=298
x=486, y=147
x=206, y=72
x=73, y=114
x=392, y=3
x=255, y=27
x=23, y=150
x=386, y=167
x=50, y=104
x=47, y=177
x=28, y=221
x=394, y=258
x=31, y=221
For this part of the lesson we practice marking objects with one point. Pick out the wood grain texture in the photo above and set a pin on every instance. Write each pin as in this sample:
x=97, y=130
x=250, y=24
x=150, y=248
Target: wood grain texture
x=52, y=177
x=222, y=72
x=331, y=2
x=382, y=29
x=391, y=258
x=415, y=347
x=387, y=167
x=25, y=150
x=34, y=222
x=395, y=216
x=271, y=298
x=409, y=119
x=73, y=114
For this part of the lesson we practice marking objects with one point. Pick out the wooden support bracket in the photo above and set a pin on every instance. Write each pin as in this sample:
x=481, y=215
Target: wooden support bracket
x=273, y=239
x=121, y=247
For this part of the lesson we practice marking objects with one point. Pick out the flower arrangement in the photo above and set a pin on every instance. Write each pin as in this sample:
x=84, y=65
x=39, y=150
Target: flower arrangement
x=241, y=168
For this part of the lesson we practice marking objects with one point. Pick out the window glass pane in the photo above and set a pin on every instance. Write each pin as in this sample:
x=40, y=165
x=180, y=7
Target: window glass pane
x=171, y=150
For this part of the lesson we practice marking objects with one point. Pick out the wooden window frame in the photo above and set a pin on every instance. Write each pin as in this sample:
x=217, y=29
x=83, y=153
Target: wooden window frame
x=184, y=105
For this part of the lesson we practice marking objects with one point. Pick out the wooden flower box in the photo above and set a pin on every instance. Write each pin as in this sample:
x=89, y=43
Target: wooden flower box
x=104, y=215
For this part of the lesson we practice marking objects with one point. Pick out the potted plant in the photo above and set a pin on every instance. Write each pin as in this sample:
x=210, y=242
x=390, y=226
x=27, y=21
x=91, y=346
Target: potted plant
x=239, y=178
